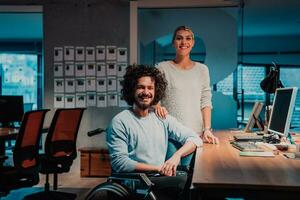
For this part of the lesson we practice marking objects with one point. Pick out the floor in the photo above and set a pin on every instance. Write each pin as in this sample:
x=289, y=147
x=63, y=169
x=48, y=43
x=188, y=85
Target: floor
x=68, y=182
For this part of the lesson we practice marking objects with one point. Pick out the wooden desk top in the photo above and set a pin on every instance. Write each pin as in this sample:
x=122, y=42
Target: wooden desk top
x=8, y=133
x=221, y=166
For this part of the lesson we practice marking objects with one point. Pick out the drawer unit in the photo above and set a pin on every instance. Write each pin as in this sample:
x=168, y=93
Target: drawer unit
x=94, y=162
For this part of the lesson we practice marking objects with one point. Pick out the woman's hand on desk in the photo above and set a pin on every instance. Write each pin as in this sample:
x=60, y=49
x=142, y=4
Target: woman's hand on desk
x=209, y=137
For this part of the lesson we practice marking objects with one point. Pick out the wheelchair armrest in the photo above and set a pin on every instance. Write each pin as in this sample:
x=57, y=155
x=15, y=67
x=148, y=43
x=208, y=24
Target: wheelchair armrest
x=142, y=177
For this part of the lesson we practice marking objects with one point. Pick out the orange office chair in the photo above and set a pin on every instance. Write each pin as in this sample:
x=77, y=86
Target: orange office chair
x=25, y=172
x=60, y=151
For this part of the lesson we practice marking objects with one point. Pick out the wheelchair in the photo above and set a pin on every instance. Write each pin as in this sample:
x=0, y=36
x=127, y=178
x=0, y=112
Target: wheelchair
x=138, y=186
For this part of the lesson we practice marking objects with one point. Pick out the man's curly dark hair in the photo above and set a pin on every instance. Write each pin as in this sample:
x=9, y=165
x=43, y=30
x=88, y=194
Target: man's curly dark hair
x=133, y=73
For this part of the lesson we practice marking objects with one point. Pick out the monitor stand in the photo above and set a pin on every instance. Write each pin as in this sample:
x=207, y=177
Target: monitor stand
x=272, y=138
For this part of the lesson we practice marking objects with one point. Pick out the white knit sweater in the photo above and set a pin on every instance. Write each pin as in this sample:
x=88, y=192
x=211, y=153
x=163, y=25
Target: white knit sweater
x=187, y=93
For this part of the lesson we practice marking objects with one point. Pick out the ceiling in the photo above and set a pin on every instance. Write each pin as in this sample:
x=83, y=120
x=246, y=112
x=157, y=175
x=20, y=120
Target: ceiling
x=261, y=17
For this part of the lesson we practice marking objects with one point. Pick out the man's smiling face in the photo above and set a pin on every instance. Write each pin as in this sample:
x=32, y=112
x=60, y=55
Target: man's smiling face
x=144, y=92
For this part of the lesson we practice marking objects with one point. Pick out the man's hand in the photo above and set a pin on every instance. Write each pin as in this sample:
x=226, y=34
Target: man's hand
x=170, y=166
x=160, y=111
x=208, y=137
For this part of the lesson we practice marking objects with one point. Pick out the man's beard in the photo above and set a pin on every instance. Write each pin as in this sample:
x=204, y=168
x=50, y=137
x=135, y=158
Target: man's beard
x=143, y=106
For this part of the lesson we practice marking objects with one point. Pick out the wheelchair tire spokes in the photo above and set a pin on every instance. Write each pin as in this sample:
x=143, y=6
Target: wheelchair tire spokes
x=108, y=191
x=116, y=191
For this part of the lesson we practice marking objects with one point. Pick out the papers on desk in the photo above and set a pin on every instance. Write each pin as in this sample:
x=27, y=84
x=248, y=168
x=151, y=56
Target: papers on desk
x=257, y=154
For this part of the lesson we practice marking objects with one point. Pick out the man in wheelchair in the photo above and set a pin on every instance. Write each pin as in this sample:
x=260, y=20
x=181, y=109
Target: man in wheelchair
x=138, y=139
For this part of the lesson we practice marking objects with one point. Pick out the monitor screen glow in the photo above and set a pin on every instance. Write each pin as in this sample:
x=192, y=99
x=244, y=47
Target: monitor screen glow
x=282, y=110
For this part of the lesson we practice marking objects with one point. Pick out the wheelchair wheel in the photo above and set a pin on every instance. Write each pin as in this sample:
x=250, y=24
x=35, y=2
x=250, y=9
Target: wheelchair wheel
x=115, y=191
x=150, y=196
x=108, y=191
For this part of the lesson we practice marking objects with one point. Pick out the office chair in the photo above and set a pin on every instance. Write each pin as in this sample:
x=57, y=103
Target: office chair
x=60, y=151
x=120, y=186
x=25, y=172
x=27, y=107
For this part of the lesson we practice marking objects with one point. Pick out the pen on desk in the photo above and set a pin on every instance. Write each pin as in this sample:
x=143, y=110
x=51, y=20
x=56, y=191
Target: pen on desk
x=285, y=155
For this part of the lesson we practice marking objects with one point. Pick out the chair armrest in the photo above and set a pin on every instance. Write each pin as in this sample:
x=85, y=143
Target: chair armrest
x=96, y=132
x=142, y=177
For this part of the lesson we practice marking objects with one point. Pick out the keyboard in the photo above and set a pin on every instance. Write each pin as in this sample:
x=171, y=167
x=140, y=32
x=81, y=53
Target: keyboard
x=248, y=137
x=247, y=146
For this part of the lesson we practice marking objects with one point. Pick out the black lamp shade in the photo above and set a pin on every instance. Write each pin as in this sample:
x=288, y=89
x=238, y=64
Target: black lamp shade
x=271, y=82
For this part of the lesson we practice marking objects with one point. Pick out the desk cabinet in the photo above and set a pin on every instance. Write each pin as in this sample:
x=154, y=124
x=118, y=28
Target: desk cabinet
x=94, y=162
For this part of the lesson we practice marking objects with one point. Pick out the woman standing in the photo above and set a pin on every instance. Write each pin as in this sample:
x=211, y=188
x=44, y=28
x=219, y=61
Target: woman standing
x=188, y=95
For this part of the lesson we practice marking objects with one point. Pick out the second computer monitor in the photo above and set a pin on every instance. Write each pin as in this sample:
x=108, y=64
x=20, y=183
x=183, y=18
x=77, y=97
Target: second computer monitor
x=254, y=117
x=11, y=110
x=282, y=110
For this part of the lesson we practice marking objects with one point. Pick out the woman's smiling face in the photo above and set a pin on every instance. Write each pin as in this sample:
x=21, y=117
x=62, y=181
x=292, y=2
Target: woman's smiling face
x=183, y=42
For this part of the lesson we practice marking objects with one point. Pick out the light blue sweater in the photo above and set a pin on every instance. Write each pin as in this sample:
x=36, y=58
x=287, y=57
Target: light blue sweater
x=133, y=139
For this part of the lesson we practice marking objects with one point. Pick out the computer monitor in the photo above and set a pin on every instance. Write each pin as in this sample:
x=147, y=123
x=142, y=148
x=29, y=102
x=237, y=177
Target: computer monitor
x=282, y=110
x=254, y=118
x=11, y=110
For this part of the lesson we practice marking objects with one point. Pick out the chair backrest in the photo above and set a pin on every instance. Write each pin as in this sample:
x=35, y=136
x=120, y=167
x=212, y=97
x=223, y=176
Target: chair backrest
x=61, y=139
x=26, y=150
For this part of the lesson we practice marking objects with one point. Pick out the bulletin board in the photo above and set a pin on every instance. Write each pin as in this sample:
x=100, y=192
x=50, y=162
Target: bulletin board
x=89, y=76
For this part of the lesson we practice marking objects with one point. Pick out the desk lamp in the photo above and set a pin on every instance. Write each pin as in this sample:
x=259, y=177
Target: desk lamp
x=271, y=82
x=269, y=85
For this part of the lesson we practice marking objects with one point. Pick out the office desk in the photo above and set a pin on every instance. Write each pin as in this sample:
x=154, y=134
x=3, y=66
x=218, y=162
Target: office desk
x=220, y=169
